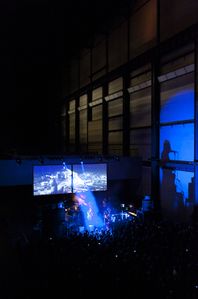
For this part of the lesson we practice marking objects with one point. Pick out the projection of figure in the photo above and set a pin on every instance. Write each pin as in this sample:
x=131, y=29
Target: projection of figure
x=168, y=187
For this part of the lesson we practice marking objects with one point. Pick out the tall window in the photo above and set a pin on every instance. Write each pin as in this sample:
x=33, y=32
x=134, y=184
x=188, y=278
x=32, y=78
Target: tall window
x=95, y=123
x=177, y=117
x=177, y=135
x=83, y=123
x=63, y=127
x=115, y=116
x=140, y=114
x=140, y=124
x=72, y=126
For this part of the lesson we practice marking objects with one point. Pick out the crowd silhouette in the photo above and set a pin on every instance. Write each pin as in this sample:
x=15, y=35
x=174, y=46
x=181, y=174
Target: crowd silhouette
x=153, y=258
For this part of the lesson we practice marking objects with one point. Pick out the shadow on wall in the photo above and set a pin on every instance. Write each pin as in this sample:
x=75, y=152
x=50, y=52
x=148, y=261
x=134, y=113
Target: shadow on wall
x=177, y=196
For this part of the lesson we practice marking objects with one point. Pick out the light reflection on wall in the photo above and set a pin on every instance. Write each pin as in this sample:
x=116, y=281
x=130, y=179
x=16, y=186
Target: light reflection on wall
x=181, y=139
x=182, y=181
x=176, y=185
x=178, y=107
x=89, y=208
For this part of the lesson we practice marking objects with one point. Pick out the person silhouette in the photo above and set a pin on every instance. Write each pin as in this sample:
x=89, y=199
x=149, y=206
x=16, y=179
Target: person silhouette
x=165, y=156
x=166, y=151
x=168, y=187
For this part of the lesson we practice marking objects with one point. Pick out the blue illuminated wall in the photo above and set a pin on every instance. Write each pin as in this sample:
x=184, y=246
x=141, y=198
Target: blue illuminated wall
x=177, y=110
x=177, y=144
x=177, y=193
x=181, y=139
x=179, y=106
x=179, y=181
x=183, y=179
x=90, y=210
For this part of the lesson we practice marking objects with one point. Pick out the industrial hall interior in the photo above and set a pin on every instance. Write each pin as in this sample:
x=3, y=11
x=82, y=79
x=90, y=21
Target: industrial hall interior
x=99, y=149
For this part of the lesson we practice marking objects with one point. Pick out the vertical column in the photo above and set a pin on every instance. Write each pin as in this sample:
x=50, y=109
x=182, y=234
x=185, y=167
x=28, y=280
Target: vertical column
x=196, y=123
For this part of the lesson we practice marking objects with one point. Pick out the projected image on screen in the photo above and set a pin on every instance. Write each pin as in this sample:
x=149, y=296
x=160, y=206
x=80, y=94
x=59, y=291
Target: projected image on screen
x=51, y=179
x=89, y=177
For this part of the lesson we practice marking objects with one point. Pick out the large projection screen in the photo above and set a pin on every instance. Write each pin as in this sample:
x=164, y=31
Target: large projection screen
x=52, y=179
x=89, y=177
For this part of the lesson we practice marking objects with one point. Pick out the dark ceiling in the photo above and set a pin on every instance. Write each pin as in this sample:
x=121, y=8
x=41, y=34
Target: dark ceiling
x=38, y=37
x=52, y=28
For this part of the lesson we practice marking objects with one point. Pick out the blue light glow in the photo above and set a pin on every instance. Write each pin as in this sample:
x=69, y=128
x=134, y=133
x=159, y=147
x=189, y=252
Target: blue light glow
x=182, y=181
x=181, y=139
x=177, y=185
x=89, y=208
x=179, y=106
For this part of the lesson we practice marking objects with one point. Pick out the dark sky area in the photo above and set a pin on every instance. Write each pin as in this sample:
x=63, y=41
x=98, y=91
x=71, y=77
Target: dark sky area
x=38, y=37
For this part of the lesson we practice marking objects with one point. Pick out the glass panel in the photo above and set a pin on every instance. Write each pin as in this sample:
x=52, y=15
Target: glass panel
x=140, y=143
x=177, y=63
x=97, y=93
x=72, y=105
x=144, y=68
x=98, y=56
x=143, y=28
x=74, y=75
x=140, y=79
x=95, y=148
x=176, y=16
x=115, y=123
x=85, y=69
x=177, y=142
x=97, y=112
x=115, y=143
x=115, y=85
x=83, y=100
x=140, y=108
x=177, y=99
x=115, y=107
x=83, y=126
x=118, y=46
x=95, y=131
x=115, y=137
x=115, y=149
x=72, y=128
